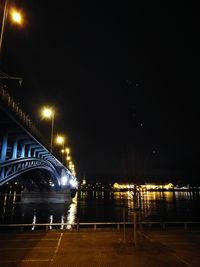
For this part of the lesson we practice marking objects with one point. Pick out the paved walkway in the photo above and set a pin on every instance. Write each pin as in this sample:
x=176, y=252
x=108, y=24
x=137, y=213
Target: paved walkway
x=100, y=249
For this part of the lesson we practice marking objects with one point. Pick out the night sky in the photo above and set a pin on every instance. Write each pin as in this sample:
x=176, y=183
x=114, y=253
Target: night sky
x=123, y=79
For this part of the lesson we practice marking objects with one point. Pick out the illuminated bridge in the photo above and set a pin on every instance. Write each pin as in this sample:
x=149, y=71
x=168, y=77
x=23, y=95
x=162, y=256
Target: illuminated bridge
x=23, y=152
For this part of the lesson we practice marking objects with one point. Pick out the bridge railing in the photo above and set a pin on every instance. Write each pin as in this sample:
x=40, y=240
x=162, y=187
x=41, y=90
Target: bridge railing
x=100, y=225
x=16, y=109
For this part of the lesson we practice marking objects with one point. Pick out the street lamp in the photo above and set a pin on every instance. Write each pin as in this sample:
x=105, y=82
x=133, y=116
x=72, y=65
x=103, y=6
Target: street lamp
x=60, y=140
x=67, y=150
x=68, y=158
x=49, y=113
x=72, y=168
x=15, y=16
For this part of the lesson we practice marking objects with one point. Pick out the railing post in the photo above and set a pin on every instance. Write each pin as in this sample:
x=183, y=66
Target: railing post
x=135, y=227
x=95, y=227
x=162, y=224
x=77, y=225
x=139, y=213
x=124, y=225
x=185, y=226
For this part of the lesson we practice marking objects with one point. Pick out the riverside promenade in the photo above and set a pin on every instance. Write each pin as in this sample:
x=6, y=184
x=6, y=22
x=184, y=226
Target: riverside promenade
x=103, y=248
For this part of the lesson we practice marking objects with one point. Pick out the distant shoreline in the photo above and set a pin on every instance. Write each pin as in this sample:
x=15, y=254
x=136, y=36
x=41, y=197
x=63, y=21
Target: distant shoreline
x=143, y=190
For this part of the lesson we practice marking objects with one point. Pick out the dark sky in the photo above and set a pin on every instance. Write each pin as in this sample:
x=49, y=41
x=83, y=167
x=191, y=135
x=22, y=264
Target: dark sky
x=123, y=79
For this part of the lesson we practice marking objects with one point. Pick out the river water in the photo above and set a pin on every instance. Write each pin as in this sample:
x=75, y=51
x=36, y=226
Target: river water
x=102, y=206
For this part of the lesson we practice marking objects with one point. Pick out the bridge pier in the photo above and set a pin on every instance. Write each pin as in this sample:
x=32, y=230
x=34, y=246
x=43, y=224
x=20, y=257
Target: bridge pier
x=22, y=154
x=45, y=196
x=18, y=148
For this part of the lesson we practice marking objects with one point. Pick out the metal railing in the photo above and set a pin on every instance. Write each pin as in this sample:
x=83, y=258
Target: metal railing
x=15, y=107
x=99, y=225
x=18, y=112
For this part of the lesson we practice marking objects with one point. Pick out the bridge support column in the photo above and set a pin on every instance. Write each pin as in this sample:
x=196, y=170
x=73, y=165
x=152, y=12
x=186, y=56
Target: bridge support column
x=14, y=152
x=4, y=147
x=22, y=154
x=42, y=154
x=29, y=151
x=35, y=152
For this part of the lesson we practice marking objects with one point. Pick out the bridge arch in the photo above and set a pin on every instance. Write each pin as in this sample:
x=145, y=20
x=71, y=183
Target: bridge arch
x=22, y=148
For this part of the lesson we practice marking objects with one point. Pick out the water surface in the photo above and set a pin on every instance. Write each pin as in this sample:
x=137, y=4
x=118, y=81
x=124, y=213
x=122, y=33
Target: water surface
x=102, y=206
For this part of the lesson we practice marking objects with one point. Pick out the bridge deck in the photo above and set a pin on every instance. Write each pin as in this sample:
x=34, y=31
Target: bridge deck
x=100, y=248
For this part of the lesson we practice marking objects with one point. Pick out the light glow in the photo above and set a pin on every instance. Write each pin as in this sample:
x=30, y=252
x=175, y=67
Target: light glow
x=73, y=183
x=47, y=112
x=16, y=16
x=60, y=140
x=68, y=158
x=72, y=213
x=64, y=180
x=67, y=150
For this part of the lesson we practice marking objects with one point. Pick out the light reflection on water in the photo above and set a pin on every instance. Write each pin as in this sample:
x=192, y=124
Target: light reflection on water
x=72, y=213
x=67, y=220
x=91, y=206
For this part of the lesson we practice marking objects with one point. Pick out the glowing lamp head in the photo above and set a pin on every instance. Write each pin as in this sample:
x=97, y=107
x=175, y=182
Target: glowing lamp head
x=47, y=113
x=16, y=16
x=60, y=139
x=68, y=158
x=67, y=150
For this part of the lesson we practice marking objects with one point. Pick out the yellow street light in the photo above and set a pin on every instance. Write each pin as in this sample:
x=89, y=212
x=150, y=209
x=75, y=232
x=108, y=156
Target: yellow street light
x=68, y=158
x=15, y=16
x=49, y=113
x=67, y=150
x=60, y=140
x=71, y=166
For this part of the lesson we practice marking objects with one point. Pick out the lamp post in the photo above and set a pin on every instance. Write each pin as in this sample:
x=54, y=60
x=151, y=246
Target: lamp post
x=48, y=113
x=16, y=17
x=5, y=14
x=60, y=140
